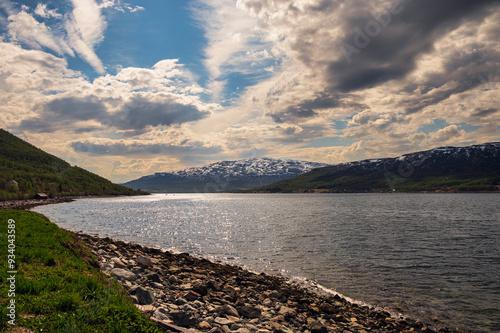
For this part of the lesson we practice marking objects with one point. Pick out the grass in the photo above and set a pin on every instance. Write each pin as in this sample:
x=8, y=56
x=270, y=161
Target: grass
x=58, y=285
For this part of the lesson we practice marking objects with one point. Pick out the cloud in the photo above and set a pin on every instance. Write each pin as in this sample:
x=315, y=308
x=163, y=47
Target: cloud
x=85, y=30
x=391, y=41
x=135, y=114
x=42, y=10
x=25, y=29
x=63, y=113
x=139, y=113
x=129, y=148
x=78, y=31
x=390, y=52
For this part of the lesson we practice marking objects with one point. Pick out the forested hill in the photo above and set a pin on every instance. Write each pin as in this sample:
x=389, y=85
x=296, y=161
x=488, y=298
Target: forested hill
x=447, y=169
x=35, y=171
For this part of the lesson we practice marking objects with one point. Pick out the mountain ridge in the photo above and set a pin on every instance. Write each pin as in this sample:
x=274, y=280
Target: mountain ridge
x=447, y=169
x=224, y=175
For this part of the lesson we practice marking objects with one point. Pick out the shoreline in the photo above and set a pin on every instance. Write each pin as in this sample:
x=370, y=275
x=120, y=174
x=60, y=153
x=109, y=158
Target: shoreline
x=183, y=293
x=27, y=204
x=374, y=318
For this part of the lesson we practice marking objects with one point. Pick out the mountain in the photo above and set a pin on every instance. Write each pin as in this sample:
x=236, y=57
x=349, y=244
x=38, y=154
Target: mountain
x=26, y=170
x=445, y=169
x=224, y=176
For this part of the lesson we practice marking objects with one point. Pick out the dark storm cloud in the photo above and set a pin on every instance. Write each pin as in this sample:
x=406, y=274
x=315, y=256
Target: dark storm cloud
x=309, y=108
x=140, y=113
x=134, y=116
x=378, y=53
x=484, y=113
x=126, y=149
x=63, y=112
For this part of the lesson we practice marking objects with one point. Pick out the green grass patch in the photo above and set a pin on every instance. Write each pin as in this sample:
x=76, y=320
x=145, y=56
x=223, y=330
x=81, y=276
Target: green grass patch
x=58, y=285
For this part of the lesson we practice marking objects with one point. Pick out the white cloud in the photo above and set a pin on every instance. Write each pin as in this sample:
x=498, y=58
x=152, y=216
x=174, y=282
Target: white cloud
x=41, y=10
x=79, y=31
x=85, y=30
x=25, y=29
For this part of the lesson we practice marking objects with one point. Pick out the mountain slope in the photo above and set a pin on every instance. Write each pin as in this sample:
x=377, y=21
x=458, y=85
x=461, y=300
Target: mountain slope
x=224, y=176
x=37, y=171
x=472, y=168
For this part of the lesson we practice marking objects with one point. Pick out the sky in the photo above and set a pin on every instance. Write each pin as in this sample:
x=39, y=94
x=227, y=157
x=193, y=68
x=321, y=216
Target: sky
x=129, y=88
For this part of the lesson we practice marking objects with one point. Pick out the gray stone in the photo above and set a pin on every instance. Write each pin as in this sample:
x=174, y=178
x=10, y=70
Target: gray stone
x=157, y=285
x=145, y=296
x=318, y=327
x=223, y=321
x=124, y=274
x=106, y=266
x=160, y=315
x=250, y=312
x=185, y=319
x=188, y=307
x=192, y=296
x=154, y=277
x=229, y=310
x=118, y=263
x=144, y=261
x=287, y=312
x=180, y=301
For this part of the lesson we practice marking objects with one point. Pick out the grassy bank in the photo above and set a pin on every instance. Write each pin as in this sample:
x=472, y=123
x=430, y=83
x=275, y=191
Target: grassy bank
x=58, y=287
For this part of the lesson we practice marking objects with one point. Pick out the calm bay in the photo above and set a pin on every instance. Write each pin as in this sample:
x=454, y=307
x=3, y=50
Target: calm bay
x=434, y=257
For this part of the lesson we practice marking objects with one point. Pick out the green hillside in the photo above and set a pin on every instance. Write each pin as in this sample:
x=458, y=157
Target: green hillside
x=447, y=169
x=36, y=171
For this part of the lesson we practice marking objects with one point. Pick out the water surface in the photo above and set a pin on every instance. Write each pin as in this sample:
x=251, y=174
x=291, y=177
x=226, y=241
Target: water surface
x=435, y=257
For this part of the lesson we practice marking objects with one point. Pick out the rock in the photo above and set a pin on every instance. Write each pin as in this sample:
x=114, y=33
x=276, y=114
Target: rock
x=287, y=312
x=242, y=330
x=198, y=304
x=250, y=312
x=218, y=330
x=185, y=319
x=180, y=301
x=285, y=329
x=106, y=266
x=144, y=261
x=204, y=326
x=118, y=263
x=188, y=308
x=231, y=311
x=223, y=321
x=186, y=286
x=173, y=279
x=192, y=296
x=160, y=315
x=157, y=285
x=124, y=274
x=317, y=327
x=154, y=277
x=278, y=318
x=145, y=296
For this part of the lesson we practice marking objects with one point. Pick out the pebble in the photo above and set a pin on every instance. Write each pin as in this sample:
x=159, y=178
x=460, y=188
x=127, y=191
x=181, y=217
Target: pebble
x=183, y=293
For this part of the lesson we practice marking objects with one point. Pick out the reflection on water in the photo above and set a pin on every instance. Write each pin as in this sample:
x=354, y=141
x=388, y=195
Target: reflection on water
x=430, y=256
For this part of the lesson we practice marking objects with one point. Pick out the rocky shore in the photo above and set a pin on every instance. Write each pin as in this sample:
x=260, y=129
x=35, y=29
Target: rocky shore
x=182, y=293
x=30, y=203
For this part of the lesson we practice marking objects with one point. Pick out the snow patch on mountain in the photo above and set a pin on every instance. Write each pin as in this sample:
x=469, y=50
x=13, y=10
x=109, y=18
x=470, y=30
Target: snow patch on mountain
x=259, y=166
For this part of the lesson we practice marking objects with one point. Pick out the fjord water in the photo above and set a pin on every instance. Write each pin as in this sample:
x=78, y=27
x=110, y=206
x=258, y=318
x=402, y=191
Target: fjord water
x=435, y=257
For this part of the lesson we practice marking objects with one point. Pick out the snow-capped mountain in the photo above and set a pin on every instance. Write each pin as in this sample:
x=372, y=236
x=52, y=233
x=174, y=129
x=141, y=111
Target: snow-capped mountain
x=471, y=168
x=224, y=175
x=454, y=158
